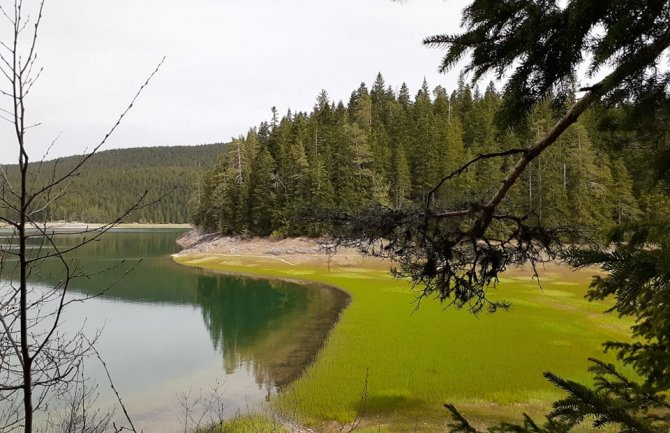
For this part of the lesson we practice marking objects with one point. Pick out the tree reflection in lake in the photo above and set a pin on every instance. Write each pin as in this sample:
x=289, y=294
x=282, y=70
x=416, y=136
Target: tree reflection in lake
x=273, y=326
x=271, y=329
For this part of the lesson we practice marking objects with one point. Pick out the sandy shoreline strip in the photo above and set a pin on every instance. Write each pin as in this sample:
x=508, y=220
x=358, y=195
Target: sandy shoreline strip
x=294, y=252
x=75, y=226
x=308, y=252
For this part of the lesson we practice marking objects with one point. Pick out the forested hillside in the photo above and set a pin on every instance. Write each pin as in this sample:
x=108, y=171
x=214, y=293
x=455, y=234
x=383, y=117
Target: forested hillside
x=113, y=180
x=387, y=148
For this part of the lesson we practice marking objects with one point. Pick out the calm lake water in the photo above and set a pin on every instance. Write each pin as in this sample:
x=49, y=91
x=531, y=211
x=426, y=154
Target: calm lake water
x=170, y=331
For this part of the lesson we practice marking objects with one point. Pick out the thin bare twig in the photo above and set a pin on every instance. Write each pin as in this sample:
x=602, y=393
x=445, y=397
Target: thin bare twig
x=118, y=396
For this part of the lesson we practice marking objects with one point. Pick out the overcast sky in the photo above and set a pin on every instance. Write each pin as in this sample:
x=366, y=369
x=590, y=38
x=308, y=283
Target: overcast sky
x=227, y=63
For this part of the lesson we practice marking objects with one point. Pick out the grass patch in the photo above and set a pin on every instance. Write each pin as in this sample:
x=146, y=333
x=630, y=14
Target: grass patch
x=416, y=360
x=247, y=424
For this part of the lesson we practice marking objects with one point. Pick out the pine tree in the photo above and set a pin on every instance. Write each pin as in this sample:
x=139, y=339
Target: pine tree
x=624, y=203
x=424, y=157
x=262, y=193
x=404, y=97
x=401, y=183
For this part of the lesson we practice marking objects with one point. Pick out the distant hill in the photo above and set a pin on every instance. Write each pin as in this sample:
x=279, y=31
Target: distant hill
x=112, y=180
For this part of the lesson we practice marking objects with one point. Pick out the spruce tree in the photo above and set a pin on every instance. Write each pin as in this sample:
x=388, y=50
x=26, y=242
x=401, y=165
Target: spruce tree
x=262, y=193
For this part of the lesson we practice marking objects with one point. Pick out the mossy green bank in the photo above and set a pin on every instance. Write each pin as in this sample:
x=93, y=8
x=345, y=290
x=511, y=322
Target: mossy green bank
x=410, y=360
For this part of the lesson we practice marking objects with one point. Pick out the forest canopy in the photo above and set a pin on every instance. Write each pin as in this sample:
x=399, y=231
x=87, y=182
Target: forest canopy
x=387, y=149
x=113, y=180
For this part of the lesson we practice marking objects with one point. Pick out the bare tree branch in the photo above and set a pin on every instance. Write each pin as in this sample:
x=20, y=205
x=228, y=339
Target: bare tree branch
x=118, y=396
x=38, y=362
x=87, y=156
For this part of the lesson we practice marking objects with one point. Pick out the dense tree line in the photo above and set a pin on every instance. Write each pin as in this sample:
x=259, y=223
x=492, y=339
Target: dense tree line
x=387, y=148
x=112, y=181
x=538, y=46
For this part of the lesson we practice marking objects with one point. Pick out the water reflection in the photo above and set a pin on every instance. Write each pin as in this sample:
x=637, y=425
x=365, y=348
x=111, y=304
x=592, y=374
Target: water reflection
x=271, y=329
x=275, y=327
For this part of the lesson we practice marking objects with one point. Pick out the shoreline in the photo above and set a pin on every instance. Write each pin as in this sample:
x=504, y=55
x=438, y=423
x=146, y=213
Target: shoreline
x=63, y=227
x=294, y=252
x=307, y=349
x=308, y=252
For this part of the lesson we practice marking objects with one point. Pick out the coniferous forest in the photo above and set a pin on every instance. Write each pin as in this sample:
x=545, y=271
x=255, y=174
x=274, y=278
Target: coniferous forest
x=384, y=148
x=113, y=180
x=389, y=148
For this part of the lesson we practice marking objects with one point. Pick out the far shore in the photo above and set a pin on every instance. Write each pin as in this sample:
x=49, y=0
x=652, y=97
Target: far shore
x=76, y=226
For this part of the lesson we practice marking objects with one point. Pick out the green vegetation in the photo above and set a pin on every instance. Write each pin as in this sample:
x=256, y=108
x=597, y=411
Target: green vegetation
x=111, y=181
x=418, y=360
x=247, y=424
x=539, y=46
x=384, y=149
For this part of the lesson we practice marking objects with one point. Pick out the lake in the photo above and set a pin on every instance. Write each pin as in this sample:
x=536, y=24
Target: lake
x=171, y=333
